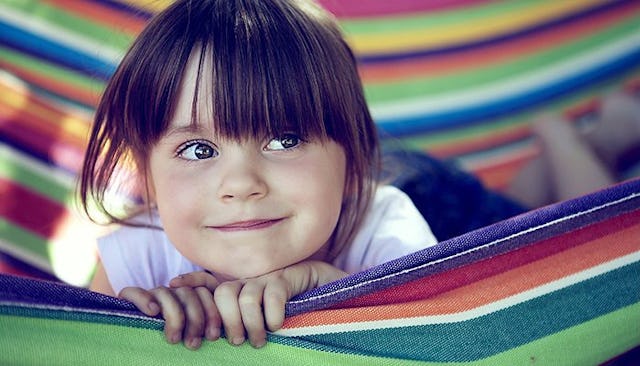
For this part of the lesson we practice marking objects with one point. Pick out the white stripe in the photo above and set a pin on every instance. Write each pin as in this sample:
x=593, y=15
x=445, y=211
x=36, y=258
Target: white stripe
x=47, y=172
x=459, y=99
x=466, y=252
x=79, y=310
x=60, y=35
x=24, y=255
x=470, y=314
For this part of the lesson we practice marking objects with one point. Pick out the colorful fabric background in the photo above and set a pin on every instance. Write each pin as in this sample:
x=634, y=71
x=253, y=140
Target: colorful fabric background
x=460, y=79
x=555, y=286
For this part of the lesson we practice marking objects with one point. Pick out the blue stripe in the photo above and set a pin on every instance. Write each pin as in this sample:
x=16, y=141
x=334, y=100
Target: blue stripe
x=515, y=35
x=126, y=8
x=57, y=53
x=512, y=104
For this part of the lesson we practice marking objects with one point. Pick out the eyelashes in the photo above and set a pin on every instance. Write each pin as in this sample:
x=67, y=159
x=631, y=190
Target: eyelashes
x=197, y=150
x=194, y=150
x=285, y=141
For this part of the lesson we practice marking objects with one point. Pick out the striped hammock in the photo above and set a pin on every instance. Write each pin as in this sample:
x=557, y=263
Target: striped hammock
x=459, y=79
x=555, y=286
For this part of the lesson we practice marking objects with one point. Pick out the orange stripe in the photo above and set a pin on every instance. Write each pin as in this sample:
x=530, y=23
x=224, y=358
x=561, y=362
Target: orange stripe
x=498, y=175
x=492, y=289
x=101, y=14
x=493, y=54
x=483, y=140
x=43, y=117
x=65, y=89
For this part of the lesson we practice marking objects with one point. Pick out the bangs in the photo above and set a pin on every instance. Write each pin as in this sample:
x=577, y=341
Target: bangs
x=257, y=63
x=263, y=79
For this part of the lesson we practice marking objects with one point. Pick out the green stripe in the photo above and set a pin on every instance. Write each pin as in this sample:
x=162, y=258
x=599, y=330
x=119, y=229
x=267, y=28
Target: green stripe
x=61, y=342
x=432, y=21
x=13, y=170
x=589, y=343
x=103, y=35
x=478, y=338
x=476, y=78
x=41, y=67
x=33, y=248
x=35, y=341
x=423, y=141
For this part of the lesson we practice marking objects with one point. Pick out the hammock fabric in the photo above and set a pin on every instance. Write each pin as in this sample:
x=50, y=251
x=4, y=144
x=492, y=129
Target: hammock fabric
x=459, y=79
x=556, y=286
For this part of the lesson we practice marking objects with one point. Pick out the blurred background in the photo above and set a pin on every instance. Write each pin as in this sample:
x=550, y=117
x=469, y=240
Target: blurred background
x=461, y=80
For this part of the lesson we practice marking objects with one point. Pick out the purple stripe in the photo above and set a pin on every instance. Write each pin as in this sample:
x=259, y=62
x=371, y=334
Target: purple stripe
x=582, y=15
x=330, y=294
x=56, y=294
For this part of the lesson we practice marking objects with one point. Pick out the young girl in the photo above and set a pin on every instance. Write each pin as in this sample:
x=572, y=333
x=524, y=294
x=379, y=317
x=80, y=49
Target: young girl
x=249, y=135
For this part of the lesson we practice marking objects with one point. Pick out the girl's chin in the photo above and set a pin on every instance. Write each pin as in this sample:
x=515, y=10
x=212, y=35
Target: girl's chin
x=239, y=275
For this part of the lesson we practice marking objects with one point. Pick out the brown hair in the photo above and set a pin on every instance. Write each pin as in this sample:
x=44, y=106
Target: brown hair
x=278, y=65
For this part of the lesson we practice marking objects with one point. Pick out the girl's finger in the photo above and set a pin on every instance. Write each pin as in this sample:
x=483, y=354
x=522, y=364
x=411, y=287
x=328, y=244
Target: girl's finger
x=195, y=279
x=142, y=299
x=276, y=294
x=174, y=316
x=212, y=317
x=194, y=316
x=250, y=301
x=226, y=299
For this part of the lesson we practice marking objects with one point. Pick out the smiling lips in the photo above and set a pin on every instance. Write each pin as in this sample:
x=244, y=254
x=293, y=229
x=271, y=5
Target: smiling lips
x=248, y=225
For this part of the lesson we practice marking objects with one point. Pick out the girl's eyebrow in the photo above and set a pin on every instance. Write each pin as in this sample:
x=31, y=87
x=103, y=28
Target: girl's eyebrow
x=186, y=129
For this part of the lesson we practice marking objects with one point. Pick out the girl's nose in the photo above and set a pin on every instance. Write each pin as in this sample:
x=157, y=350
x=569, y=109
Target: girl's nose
x=241, y=178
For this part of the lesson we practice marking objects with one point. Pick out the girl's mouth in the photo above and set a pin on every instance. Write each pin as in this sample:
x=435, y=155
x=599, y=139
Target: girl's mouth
x=248, y=225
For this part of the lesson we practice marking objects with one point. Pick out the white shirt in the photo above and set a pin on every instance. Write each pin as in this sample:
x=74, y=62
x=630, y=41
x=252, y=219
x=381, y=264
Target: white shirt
x=144, y=257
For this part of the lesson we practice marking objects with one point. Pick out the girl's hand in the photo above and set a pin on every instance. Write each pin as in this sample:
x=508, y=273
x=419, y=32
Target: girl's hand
x=189, y=311
x=250, y=304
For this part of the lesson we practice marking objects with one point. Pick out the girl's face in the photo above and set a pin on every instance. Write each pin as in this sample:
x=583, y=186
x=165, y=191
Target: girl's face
x=244, y=208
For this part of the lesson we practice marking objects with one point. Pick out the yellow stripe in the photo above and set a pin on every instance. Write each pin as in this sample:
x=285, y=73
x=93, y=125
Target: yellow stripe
x=468, y=29
x=69, y=125
x=148, y=5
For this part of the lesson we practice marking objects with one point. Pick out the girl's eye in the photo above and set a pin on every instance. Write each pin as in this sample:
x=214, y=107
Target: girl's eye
x=197, y=150
x=284, y=142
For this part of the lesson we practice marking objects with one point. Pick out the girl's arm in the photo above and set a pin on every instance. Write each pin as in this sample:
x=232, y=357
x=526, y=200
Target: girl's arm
x=100, y=282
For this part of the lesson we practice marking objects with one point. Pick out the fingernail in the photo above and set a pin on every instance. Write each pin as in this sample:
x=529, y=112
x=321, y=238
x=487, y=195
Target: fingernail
x=237, y=341
x=194, y=343
x=213, y=333
x=174, y=338
x=260, y=343
x=153, y=307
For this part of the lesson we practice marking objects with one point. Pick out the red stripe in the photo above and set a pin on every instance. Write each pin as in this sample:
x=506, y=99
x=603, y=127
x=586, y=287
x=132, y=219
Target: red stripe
x=9, y=269
x=18, y=268
x=433, y=285
x=51, y=148
x=62, y=88
x=101, y=14
x=29, y=210
x=520, y=47
x=479, y=142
